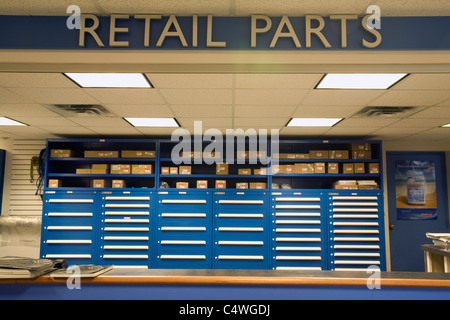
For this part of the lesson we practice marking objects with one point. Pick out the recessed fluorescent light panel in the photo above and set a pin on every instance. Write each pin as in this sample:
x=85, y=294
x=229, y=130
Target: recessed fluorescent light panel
x=153, y=122
x=446, y=125
x=313, y=122
x=9, y=122
x=360, y=80
x=110, y=80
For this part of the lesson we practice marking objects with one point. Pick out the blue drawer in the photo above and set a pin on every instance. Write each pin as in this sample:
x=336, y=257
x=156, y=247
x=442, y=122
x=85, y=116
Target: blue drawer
x=126, y=228
x=69, y=227
x=184, y=230
x=356, y=230
x=298, y=231
x=241, y=230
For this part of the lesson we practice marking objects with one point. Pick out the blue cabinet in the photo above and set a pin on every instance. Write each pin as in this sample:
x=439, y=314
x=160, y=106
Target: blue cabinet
x=356, y=230
x=241, y=230
x=184, y=230
x=298, y=230
x=126, y=228
x=69, y=226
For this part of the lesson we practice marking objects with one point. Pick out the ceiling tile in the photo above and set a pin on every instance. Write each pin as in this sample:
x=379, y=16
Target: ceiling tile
x=126, y=95
x=206, y=122
x=280, y=81
x=260, y=122
x=198, y=96
x=269, y=97
x=45, y=8
x=326, y=97
x=435, y=81
x=112, y=131
x=69, y=130
x=433, y=112
x=437, y=131
x=100, y=122
x=190, y=111
x=185, y=81
x=11, y=97
x=30, y=110
x=413, y=8
x=140, y=111
x=424, y=123
x=55, y=95
x=155, y=131
x=44, y=121
x=411, y=98
x=366, y=122
x=329, y=111
x=26, y=132
x=35, y=80
x=303, y=131
x=263, y=111
x=399, y=130
x=357, y=131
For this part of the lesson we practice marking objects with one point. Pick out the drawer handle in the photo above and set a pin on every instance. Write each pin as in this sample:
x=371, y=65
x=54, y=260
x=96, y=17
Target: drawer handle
x=241, y=215
x=125, y=256
x=296, y=199
x=109, y=247
x=355, y=204
x=69, y=228
x=238, y=229
x=183, y=257
x=71, y=200
x=241, y=243
x=127, y=198
x=349, y=246
x=287, y=206
x=355, y=216
x=280, y=230
x=354, y=198
x=68, y=256
x=183, y=242
x=296, y=239
x=69, y=241
x=297, y=222
x=183, y=215
x=297, y=258
x=298, y=249
x=183, y=228
x=357, y=231
x=299, y=268
x=121, y=229
x=365, y=224
x=237, y=257
x=122, y=238
x=167, y=201
x=297, y=214
x=356, y=239
x=241, y=202
x=70, y=214
x=356, y=254
x=354, y=210
x=368, y=262
x=126, y=205
x=127, y=213
x=127, y=220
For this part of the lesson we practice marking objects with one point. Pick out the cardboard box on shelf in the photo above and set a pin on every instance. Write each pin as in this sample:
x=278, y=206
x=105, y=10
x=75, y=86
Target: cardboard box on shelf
x=374, y=168
x=173, y=170
x=304, y=168
x=211, y=155
x=289, y=168
x=101, y=154
x=246, y=171
x=338, y=154
x=182, y=185
x=261, y=171
x=100, y=168
x=348, y=168
x=276, y=168
x=346, y=186
x=242, y=185
x=361, y=146
x=118, y=184
x=258, y=185
x=361, y=154
x=141, y=169
x=61, y=153
x=360, y=168
x=221, y=184
x=319, y=167
x=83, y=171
x=138, y=154
x=318, y=154
x=120, y=169
x=257, y=154
x=185, y=170
x=191, y=154
x=333, y=167
x=165, y=170
x=98, y=183
x=302, y=156
x=222, y=168
x=54, y=183
x=202, y=184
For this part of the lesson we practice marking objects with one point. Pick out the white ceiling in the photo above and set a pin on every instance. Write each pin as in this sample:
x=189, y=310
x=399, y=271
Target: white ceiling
x=226, y=101
x=228, y=7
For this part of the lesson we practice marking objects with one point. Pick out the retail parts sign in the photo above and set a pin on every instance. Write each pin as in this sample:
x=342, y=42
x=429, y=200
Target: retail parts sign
x=77, y=30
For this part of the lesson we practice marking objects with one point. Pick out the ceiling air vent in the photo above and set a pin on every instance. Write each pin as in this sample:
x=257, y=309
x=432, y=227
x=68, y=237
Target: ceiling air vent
x=386, y=112
x=79, y=110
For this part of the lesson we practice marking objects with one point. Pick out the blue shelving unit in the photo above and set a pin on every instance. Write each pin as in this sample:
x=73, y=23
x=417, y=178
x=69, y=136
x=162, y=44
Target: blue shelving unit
x=295, y=223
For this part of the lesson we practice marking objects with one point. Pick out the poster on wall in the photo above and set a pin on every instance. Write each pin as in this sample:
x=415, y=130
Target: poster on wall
x=415, y=184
